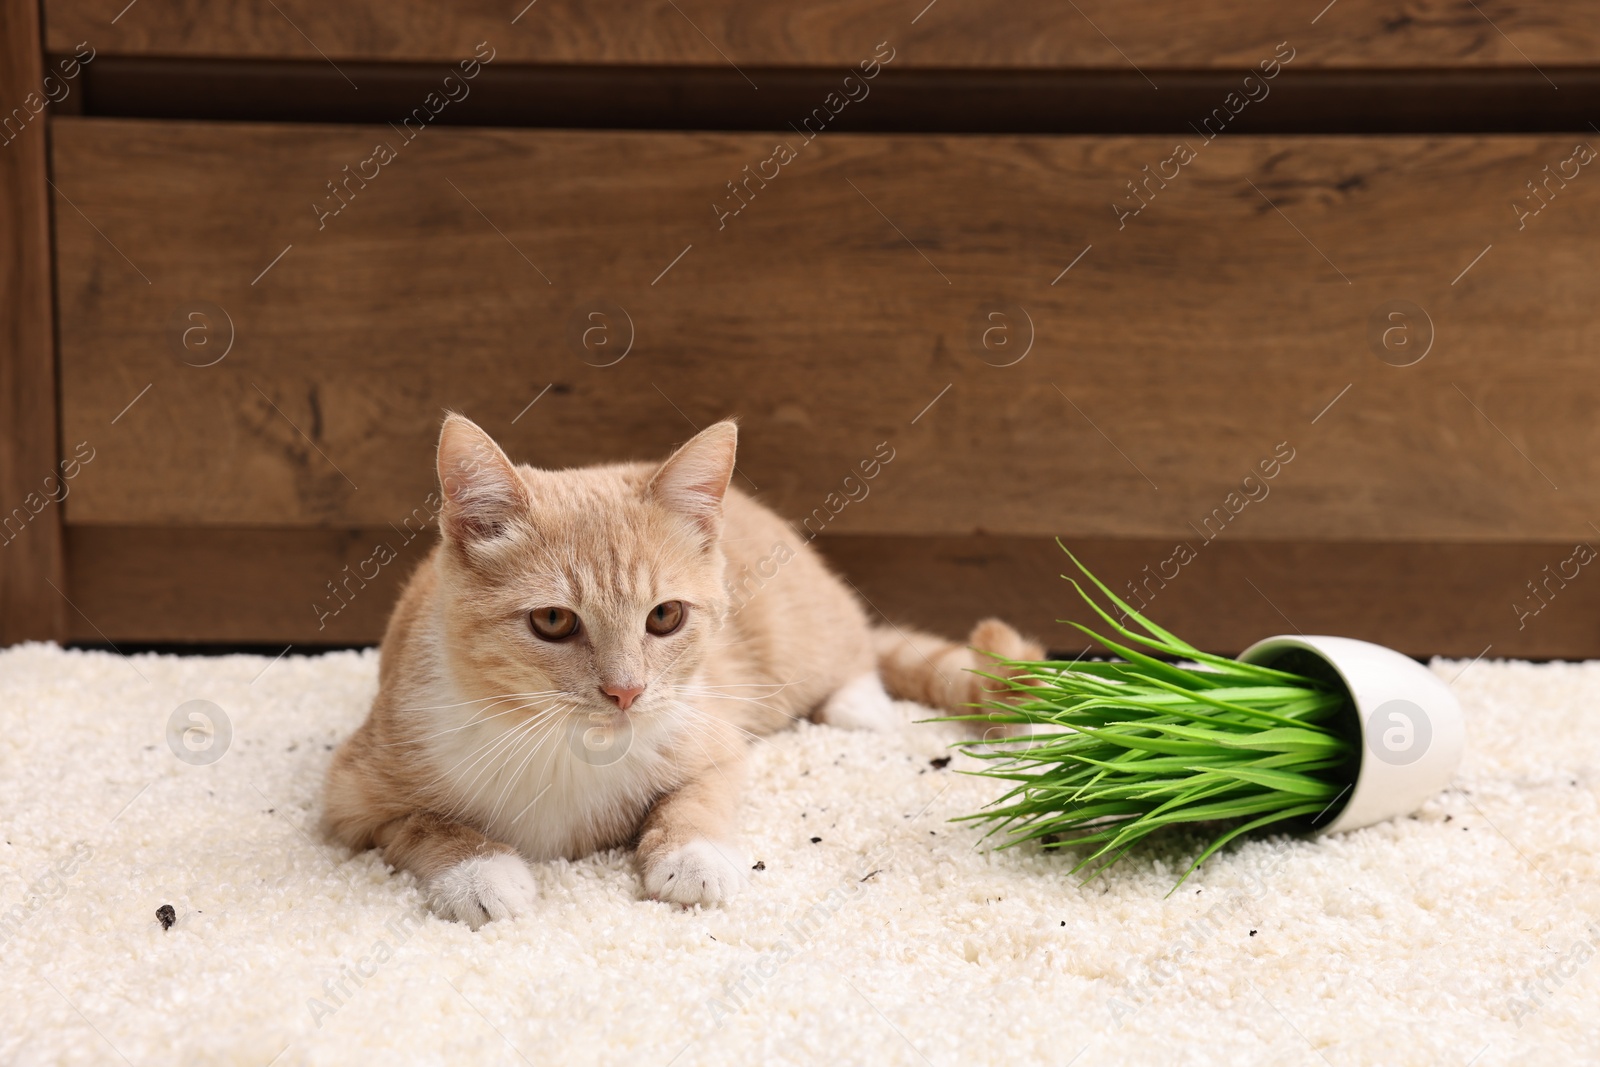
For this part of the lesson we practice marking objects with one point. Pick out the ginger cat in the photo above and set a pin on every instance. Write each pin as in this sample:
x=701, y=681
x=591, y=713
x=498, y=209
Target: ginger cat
x=580, y=661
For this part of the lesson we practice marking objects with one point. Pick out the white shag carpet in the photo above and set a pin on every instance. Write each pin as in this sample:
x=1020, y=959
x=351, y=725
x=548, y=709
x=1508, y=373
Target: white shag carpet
x=876, y=932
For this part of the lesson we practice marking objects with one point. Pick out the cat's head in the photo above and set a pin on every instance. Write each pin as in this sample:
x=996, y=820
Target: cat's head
x=598, y=588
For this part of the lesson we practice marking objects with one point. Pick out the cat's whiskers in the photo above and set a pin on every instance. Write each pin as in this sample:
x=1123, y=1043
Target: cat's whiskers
x=475, y=721
x=717, y=690
x=703, y=715
x=710, y=695
x=549, y=756
x=500, y=755
x=703, y=750
x=484, y=754
x=474, y=700
x=776, y=686
x=535, y=744
x=529, y=805
x=508, y=743
x=496, y=768
x=696, y=715
x=484, y=748
x=543, y=772
x=533, y=733
x=663, y=671
x=748, y=700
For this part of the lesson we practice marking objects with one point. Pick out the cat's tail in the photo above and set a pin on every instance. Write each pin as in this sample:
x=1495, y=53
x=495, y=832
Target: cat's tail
x=933, y=671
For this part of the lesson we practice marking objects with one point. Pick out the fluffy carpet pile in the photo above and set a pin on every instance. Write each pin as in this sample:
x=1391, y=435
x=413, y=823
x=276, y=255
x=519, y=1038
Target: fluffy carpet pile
x=872, y=930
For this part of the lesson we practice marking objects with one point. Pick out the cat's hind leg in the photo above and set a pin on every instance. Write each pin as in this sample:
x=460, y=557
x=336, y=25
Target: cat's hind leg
x=861, y=704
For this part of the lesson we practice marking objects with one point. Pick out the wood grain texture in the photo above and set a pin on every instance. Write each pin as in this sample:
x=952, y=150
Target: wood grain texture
x=1425, y=600
x=273, y=585
x=30, y=518
x=186, y=585
x=843, y=307
x=1106, y=34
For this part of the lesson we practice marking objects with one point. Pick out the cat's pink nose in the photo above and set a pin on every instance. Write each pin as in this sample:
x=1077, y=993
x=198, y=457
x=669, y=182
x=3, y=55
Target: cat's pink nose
x=623, y=695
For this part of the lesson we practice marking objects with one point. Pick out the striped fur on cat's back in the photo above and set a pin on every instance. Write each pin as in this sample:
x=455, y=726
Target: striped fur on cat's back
x=581, y=661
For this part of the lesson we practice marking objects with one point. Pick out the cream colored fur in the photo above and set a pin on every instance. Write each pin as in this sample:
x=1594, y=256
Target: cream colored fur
x=488, y=746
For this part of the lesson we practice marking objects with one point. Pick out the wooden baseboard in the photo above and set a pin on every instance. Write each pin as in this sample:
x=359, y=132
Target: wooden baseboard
x=248, y=585
x=1423, y=599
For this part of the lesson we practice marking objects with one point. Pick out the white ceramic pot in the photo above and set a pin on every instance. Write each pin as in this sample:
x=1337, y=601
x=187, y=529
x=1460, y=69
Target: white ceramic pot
x=1411, y=731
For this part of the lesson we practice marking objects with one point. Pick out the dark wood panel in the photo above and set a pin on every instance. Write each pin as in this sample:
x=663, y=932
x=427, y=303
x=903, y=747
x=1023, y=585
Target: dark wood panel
x=224, y=585
x=845, y=305
x=1112, y=34
x=30, y=480
x=273, y=585
x=908, y=100
x=1503, y=600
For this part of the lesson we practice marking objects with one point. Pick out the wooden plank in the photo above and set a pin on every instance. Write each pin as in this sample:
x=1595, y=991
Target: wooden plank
x=1459, y=600
x=1241, y=313
x=222, y=585
x=902, y=100
x=30, y=481
x=1106, y=34
x=273, y=585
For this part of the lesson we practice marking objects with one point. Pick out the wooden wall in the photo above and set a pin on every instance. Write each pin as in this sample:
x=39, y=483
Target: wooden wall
x=1317, y=381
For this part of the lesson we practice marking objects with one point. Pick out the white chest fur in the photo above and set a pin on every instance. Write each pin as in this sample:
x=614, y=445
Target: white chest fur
x=553, y=784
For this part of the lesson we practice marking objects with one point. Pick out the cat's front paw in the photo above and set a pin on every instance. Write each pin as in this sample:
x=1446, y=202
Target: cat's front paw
x=701, y=872
x=484, y=889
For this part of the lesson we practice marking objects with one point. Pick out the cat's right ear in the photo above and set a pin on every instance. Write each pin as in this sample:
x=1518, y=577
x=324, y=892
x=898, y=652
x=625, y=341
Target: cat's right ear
x=483, y=494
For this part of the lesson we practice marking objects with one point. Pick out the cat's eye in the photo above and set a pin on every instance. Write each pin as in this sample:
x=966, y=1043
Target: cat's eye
x=553, y=624
x=665, y=618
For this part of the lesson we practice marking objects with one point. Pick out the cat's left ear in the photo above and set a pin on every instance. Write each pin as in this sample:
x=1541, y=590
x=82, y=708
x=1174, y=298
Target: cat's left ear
x=695, y=479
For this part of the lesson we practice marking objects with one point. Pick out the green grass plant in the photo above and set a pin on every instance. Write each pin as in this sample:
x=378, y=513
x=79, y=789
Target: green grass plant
x=1165, y=735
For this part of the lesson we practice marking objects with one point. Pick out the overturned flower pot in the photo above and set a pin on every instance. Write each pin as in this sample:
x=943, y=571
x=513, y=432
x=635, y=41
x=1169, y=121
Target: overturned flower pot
x=1408, y=723
x=1298, y=733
